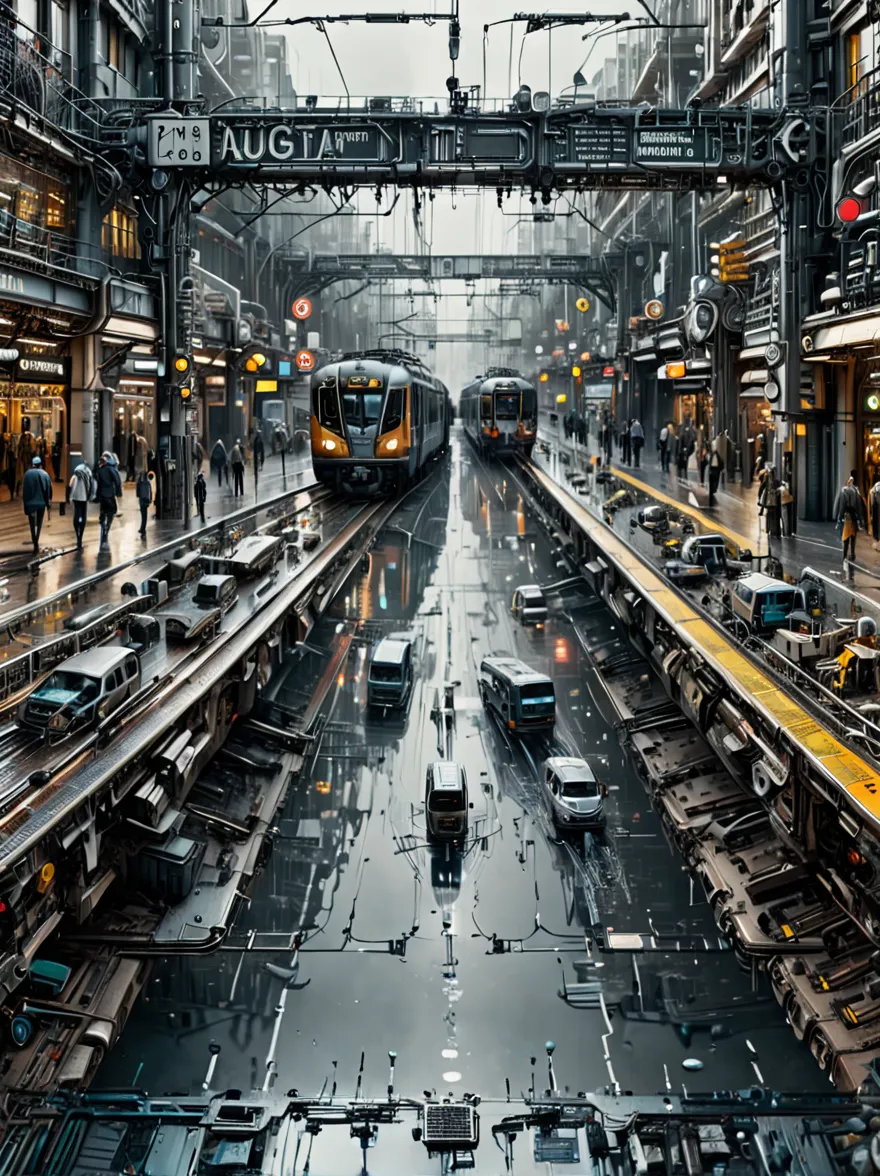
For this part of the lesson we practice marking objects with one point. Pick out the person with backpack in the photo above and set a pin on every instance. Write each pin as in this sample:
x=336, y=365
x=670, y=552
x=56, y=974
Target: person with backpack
x=108, y=487
x=36, y=496
x=200, y=490
x=80, y=491
x=637, y=441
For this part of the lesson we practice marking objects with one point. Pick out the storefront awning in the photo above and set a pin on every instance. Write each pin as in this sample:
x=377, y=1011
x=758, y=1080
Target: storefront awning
x=752, y=392
x=755, y=376
x=864, y=330
x=122, y=330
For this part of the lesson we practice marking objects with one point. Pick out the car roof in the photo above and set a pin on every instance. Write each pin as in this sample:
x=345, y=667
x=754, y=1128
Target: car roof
x=758, y=582
x=569, y=767
x=390, y=649
x=531, y=589
x=96, y=661
x=215, y=581
x=447, y=774
x=516, y=670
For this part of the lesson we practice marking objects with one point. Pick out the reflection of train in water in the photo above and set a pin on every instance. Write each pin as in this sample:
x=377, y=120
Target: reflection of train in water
x=379, y=418
x=500, y=412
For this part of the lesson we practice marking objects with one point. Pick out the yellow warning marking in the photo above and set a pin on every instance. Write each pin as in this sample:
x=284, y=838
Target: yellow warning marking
x=707, y=523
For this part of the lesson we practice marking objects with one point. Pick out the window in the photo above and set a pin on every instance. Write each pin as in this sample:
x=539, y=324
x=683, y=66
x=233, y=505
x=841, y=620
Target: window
x=113, y=40
x=394, y=406
x=485, y=408
x=119, y=234
x=327, y=406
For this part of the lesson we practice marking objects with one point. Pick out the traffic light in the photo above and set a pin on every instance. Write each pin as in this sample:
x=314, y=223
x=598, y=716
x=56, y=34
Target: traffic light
x=182, y=365
x=254, y=362
x=872, y=402
x=185, y=391
x=729, y=263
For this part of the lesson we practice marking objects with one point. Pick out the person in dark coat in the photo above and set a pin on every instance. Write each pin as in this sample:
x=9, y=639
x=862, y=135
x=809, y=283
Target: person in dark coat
x=220, y=463
x=108, y=487
x=201, y=493
x=236, y=460
x=626, y=443
x=850, y=513
x=144, y=490
x=259, y=450
x=36, y=496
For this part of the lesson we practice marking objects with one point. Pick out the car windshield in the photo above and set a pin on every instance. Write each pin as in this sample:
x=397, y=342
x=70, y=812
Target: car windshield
x=537, y=692
x=506, y=406
x=382, y=672
x=534, y=599
x=70, y=683
x=446, y=801
x=579, y=789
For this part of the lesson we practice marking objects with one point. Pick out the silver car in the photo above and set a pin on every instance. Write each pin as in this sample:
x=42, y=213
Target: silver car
x=575, y=797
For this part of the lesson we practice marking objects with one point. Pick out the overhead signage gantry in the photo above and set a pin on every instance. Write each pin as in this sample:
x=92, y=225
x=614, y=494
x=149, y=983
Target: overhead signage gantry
x=576, y=146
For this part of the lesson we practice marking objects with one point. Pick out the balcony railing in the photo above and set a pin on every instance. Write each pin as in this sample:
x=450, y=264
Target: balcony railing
x=858, y=109
x=36, y=75
x=29, y=247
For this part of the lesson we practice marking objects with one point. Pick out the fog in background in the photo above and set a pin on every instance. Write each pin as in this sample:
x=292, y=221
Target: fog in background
x=412, y=60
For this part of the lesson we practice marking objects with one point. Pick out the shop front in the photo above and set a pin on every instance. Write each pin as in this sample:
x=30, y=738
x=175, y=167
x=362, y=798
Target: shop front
x=34, y=417
x=757, y=422
x=134, y=424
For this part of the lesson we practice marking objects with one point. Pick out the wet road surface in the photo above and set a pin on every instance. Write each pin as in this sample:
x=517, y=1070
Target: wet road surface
x=457, y=960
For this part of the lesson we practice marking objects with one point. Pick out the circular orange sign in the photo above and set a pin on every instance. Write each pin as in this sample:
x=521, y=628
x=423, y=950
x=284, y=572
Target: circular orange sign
x=302, y=308
x=305, y=361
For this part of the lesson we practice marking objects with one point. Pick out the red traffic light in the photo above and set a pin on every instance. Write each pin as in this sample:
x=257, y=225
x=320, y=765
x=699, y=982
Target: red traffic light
x=849, y=209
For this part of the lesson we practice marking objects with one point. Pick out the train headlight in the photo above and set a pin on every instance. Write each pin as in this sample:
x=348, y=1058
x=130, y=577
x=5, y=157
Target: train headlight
x=329, y=445
x=391, y=445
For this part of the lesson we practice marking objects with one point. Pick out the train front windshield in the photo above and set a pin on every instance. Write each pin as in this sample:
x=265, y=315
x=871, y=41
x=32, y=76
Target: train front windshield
x=507, y=406
x=362, y=409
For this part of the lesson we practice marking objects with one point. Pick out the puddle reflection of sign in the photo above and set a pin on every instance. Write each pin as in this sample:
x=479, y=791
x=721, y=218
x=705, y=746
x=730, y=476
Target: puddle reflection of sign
x=305, y=361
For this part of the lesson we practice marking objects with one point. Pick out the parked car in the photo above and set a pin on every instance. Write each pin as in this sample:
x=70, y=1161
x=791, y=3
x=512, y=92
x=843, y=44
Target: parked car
x=446, y=801
x=84, y=689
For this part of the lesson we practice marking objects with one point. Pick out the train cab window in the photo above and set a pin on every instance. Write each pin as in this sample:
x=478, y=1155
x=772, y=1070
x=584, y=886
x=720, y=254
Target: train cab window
x=485, y=408
x=328, y=407
x=394, y=409
x=506, y=406
x=529, y=405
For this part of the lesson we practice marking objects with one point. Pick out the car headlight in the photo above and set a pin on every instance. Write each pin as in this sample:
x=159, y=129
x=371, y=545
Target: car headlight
x=391, y=445
x=59, y=722
x=329, y=444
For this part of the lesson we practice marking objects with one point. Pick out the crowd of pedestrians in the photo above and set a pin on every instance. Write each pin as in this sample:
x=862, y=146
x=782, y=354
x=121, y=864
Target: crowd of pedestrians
x=103, y=485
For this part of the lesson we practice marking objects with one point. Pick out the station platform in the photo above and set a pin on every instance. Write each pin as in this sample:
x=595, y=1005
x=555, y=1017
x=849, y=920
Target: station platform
x=734, y=512
x=60, y=563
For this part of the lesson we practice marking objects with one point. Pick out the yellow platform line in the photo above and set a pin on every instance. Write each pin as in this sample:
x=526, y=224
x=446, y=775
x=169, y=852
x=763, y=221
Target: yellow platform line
x=705, y=521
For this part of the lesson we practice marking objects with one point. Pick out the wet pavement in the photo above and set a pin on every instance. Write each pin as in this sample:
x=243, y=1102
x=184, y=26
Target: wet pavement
x=458, y=960
x=815, y=545
x=62, y=565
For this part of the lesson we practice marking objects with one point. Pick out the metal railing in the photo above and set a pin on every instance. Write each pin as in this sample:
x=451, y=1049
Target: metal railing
x=38, y=79
x=28, y=246
x=857, y=110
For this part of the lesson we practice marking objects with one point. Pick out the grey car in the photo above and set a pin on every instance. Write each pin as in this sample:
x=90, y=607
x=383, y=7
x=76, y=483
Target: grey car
x=575, y=797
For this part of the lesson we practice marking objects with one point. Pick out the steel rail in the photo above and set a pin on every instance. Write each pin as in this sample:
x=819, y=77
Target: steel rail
x=57, y=799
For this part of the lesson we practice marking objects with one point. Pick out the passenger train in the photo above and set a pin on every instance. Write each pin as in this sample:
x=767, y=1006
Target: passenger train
x=379, y=418
x=500, y=412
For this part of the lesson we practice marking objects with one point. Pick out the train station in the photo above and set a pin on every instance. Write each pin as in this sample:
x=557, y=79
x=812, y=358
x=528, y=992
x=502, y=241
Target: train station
x=439, y=588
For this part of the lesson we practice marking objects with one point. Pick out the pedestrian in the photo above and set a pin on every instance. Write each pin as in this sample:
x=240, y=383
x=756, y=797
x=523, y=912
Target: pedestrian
x=236, y=460
x=56, y=457
x=80, y=490
x=626, y=443
x=637, y=441
x=609, y=441
x=259, y=450
x=141, y=455
x=850, y=513
x=201, y=492
x=703, y=461
x=220, y=463
x=144, y=490
x=769, y=501
x=716, y=465
x=198, y=455
x=874, y=505
x=663, y=446
x=786, y=502
x=36, y=496
x=108, y=487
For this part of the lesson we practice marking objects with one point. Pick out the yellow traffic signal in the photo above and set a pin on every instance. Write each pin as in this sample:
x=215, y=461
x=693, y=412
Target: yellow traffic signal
x=254, y=362
x=730, y=262
x=181, y=363
x=576, y=372
x=185, y=392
